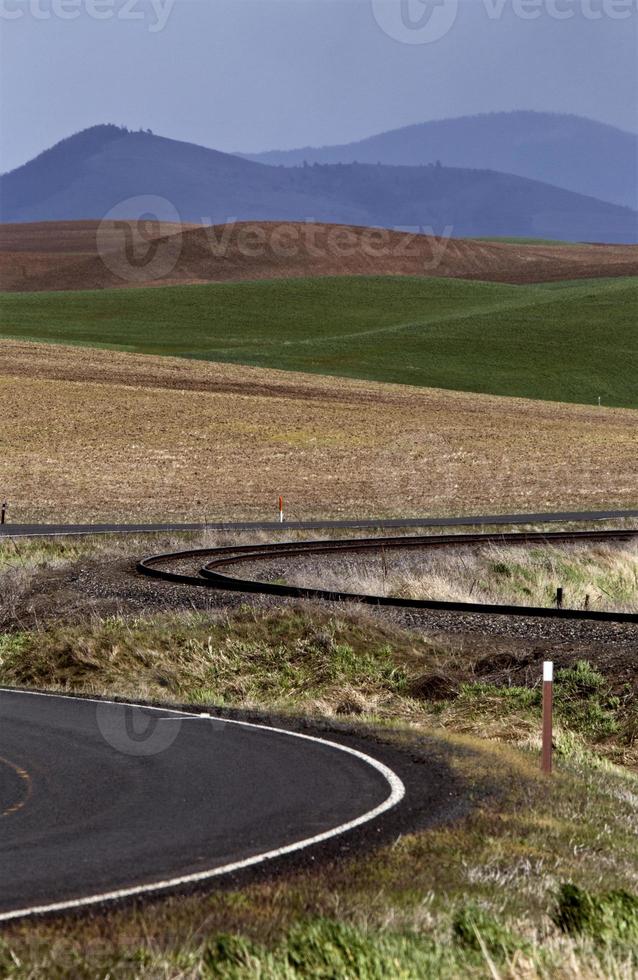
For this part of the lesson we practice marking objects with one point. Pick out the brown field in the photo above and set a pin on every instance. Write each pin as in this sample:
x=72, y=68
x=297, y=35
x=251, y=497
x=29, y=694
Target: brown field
x=64, y=255
x=36, y=250
x=97, y=435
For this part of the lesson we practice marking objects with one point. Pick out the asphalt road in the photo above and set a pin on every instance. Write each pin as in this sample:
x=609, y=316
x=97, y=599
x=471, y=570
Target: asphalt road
x=470, y=520
x=102, y=801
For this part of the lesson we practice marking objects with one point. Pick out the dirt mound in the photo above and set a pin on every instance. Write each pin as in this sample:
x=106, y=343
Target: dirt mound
x=75, y=255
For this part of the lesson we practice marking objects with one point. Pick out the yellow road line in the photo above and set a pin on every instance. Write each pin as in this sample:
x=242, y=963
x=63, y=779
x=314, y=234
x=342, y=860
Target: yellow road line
x=28, y=788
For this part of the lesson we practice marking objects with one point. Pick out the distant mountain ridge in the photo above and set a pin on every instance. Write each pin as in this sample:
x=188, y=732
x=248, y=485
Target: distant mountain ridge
x=568, y=151
x=99, y=169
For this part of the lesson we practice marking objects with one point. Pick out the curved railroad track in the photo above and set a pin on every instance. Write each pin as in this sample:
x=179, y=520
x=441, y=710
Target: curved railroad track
x=209, y=561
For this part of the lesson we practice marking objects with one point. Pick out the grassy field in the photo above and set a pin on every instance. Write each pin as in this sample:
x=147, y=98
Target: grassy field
x=96, y=435
x=571, y=344
x=537, y=879
x=598, y=576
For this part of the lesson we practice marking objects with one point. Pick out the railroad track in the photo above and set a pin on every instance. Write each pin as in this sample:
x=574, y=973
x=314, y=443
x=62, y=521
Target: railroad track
x=208, y=574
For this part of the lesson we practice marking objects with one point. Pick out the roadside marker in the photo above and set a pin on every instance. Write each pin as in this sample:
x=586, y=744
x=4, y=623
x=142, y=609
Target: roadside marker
x=548, y=699
x=281, y=510
x=3, y=517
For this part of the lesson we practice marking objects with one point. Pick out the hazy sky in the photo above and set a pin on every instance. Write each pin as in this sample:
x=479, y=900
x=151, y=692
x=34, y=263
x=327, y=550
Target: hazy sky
x=243, y=75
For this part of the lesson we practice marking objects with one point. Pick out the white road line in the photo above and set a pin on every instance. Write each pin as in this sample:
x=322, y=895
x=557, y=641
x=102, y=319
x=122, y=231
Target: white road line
x=397, y=792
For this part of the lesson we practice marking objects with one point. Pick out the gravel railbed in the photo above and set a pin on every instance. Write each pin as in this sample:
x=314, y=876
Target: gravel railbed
x=110, y=586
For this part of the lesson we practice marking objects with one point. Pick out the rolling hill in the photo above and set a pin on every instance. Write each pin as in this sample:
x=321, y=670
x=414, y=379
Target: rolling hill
x=93, y=172
x=64, y=255
x=570, y=343
x=566, y=150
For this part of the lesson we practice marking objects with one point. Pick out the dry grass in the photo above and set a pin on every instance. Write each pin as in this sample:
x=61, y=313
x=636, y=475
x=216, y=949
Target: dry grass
x=599, y=576
x=96, y=435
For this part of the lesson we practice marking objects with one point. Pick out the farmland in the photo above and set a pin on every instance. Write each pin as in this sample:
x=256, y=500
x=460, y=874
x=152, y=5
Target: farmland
x=96, y=435
x=568, y=342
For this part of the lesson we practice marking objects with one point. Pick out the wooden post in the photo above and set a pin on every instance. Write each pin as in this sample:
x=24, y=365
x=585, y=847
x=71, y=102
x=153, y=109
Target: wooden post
x=548, y=699
x=559, y=597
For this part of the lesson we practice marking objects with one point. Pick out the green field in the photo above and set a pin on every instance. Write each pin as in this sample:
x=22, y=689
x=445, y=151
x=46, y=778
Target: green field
x=566, y=342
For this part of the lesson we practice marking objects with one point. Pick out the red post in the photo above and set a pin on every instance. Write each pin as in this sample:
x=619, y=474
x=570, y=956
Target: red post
x=281, y=510
x=548, y=705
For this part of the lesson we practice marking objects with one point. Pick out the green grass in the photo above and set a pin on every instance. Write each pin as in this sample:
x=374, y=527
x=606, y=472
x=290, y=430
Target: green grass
x=570, y=344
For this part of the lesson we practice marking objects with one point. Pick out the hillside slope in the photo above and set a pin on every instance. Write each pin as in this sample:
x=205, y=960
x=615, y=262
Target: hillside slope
x=568, y=151
x=571, y=343
x=89, y=174
x=64, y=255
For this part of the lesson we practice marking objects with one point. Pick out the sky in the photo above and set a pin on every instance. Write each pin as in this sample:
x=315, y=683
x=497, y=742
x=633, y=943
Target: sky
x=246, y=76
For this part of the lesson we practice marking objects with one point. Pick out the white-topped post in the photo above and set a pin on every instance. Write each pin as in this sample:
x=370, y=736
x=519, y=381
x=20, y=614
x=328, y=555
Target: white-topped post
x=548, y=699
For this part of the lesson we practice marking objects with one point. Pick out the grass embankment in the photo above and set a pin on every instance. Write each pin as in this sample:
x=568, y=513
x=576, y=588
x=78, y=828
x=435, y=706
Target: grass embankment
x=570, y=344
x=129, y=437
x=292, y=660
x=537, y=881
x=592, y=576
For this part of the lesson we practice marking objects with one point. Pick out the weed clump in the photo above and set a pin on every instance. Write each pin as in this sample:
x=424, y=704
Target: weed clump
x=609, y=917
x=475, y=929
x=330, y=949
x=227, y=955
x=584, y=702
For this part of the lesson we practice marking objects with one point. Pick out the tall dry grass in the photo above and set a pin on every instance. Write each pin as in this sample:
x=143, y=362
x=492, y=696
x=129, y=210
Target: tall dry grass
x=597, y=576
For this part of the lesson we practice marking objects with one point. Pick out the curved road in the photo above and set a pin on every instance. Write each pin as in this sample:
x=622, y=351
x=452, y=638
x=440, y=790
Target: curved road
x=101, y=801
x=469, y=520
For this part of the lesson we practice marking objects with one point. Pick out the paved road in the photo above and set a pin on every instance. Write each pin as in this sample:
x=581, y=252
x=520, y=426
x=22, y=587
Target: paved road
x=100, y=801
x=471, y=520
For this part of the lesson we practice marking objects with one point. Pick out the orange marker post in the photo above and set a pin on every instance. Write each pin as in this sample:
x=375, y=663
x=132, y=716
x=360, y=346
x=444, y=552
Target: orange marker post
x=548, y=708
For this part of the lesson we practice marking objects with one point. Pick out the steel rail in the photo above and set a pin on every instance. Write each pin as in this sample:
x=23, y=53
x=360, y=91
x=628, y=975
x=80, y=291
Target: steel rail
x=209, y=576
